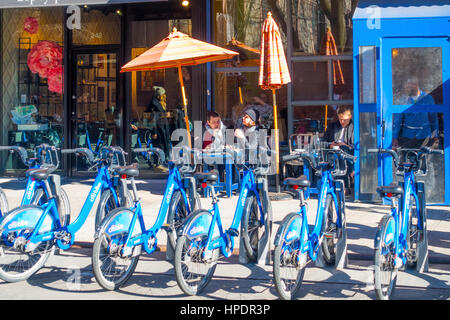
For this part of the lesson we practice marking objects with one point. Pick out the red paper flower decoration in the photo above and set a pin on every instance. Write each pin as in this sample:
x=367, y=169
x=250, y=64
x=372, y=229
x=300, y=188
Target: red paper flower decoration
x=44, y=56
x=31, y=25
x=56, y=79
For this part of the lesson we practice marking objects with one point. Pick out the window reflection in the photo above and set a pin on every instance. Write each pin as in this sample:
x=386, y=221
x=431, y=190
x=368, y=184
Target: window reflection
x=417, y=75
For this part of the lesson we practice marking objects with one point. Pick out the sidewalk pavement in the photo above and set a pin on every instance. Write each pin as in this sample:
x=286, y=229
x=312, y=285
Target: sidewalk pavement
x=362, y=218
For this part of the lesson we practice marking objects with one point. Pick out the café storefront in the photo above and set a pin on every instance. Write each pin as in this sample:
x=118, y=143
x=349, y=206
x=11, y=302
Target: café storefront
x=82, y=100
x=61, y=81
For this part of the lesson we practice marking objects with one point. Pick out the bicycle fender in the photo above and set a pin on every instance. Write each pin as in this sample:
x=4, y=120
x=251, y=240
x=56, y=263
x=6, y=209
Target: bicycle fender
x=118, y=223
x=291, y=226
x=197, y=224
x=390, y=231
x=26, y=217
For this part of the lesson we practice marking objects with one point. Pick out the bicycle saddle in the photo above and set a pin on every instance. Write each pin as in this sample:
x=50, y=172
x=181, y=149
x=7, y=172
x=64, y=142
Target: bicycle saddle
x=40, y=173
x=211, y=176
x=131, y=170
x=393, y=189
x=301, y=181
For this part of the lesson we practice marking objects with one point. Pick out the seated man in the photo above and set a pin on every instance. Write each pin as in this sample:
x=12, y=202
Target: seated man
x=214, y=134
x=340, y=133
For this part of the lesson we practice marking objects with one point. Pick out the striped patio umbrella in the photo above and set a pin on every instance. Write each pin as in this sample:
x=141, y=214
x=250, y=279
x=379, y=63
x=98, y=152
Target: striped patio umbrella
x=329, y=49
x=273, y=69
x=175, y=51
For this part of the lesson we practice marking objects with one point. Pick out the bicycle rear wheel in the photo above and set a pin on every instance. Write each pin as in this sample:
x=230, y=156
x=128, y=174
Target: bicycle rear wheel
x=414, y=235
x=251, y=227
x=15, y=264
x=176, y=216
x=63, y=204
x=330, y=230
x=111, y=270
x=192, y=272
x=385, y=273
x=107, y=204
x=287, y=272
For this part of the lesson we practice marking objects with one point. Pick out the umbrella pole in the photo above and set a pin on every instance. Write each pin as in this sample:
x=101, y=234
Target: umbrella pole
x=277, y=147
x=240, y=95
x=183, y=93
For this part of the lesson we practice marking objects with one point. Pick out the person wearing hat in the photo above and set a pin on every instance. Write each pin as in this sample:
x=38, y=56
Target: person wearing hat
x=250, y=123
x=158, y=108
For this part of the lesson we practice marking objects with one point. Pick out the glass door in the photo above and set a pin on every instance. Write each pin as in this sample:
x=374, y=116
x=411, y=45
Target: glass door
x=95, y=117
x=415, y=106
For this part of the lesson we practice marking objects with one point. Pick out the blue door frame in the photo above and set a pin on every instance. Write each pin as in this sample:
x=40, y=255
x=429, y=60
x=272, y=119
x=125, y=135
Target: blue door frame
x=386, y=104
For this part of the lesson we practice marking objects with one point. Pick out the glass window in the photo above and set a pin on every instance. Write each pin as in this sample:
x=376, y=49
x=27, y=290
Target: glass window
x=368, y=161
x=156, y=99
x=237, y=26
x=234, y=92
x=413, y=130
x=417, y=75
x=367, y=74
x=310, y=81
x=98, y=26
x=32, y=100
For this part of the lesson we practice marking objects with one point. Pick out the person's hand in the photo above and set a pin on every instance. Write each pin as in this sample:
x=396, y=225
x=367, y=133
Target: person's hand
x=239, y=134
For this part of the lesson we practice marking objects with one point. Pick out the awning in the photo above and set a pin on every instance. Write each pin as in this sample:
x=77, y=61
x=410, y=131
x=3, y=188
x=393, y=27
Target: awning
x=53, y=3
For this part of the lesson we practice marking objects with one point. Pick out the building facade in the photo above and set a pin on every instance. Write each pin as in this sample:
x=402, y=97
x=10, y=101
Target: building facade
x=60, y=63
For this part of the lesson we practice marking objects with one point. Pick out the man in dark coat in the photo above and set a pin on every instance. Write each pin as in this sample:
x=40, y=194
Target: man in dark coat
x=340, y=133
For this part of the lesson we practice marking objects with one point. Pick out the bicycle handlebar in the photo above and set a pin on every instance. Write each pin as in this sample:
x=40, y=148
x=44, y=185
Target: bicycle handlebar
x=158, y=151
x=81, y=151
x=421, y=153
x=20, y=150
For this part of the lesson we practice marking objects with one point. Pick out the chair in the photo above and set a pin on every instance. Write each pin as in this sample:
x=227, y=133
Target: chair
x=302, y=142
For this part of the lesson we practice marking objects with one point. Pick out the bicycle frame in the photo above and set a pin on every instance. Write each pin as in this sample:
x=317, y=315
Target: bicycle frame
x=102, y=182
x=314, y=238
x=174, y=183
x=401, y=216
x=249, y=184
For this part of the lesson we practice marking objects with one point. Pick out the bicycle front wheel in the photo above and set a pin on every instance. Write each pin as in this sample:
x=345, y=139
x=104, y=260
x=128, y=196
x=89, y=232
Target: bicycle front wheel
x=111, y=268
x=16, y=264
x=287, y=272
x=385, y=273
x=192, y=271
x=3, y=203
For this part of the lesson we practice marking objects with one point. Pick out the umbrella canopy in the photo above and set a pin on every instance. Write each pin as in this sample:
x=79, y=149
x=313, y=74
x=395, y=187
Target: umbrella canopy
x=175, y=51
x=273, y=69
x=329, y=49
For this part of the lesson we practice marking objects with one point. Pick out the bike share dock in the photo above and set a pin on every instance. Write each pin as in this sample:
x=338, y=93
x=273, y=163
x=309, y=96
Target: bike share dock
x=362, y=218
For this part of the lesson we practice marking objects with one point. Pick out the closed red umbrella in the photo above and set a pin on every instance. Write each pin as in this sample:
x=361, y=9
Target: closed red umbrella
x=329, y=49
x=273, y=69
x=175, y=51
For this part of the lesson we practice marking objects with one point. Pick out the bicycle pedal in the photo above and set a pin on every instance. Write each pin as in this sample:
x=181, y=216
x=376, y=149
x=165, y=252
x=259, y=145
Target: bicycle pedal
x=167, y=227
x=233, y=232
x=329, y=235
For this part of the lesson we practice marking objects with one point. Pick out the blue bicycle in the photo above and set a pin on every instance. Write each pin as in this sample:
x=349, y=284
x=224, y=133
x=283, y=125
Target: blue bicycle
x=29, y=233
x=295, y=245
x=402, y=234
x=202, y=239
x=45, y=155
x=122, y=235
